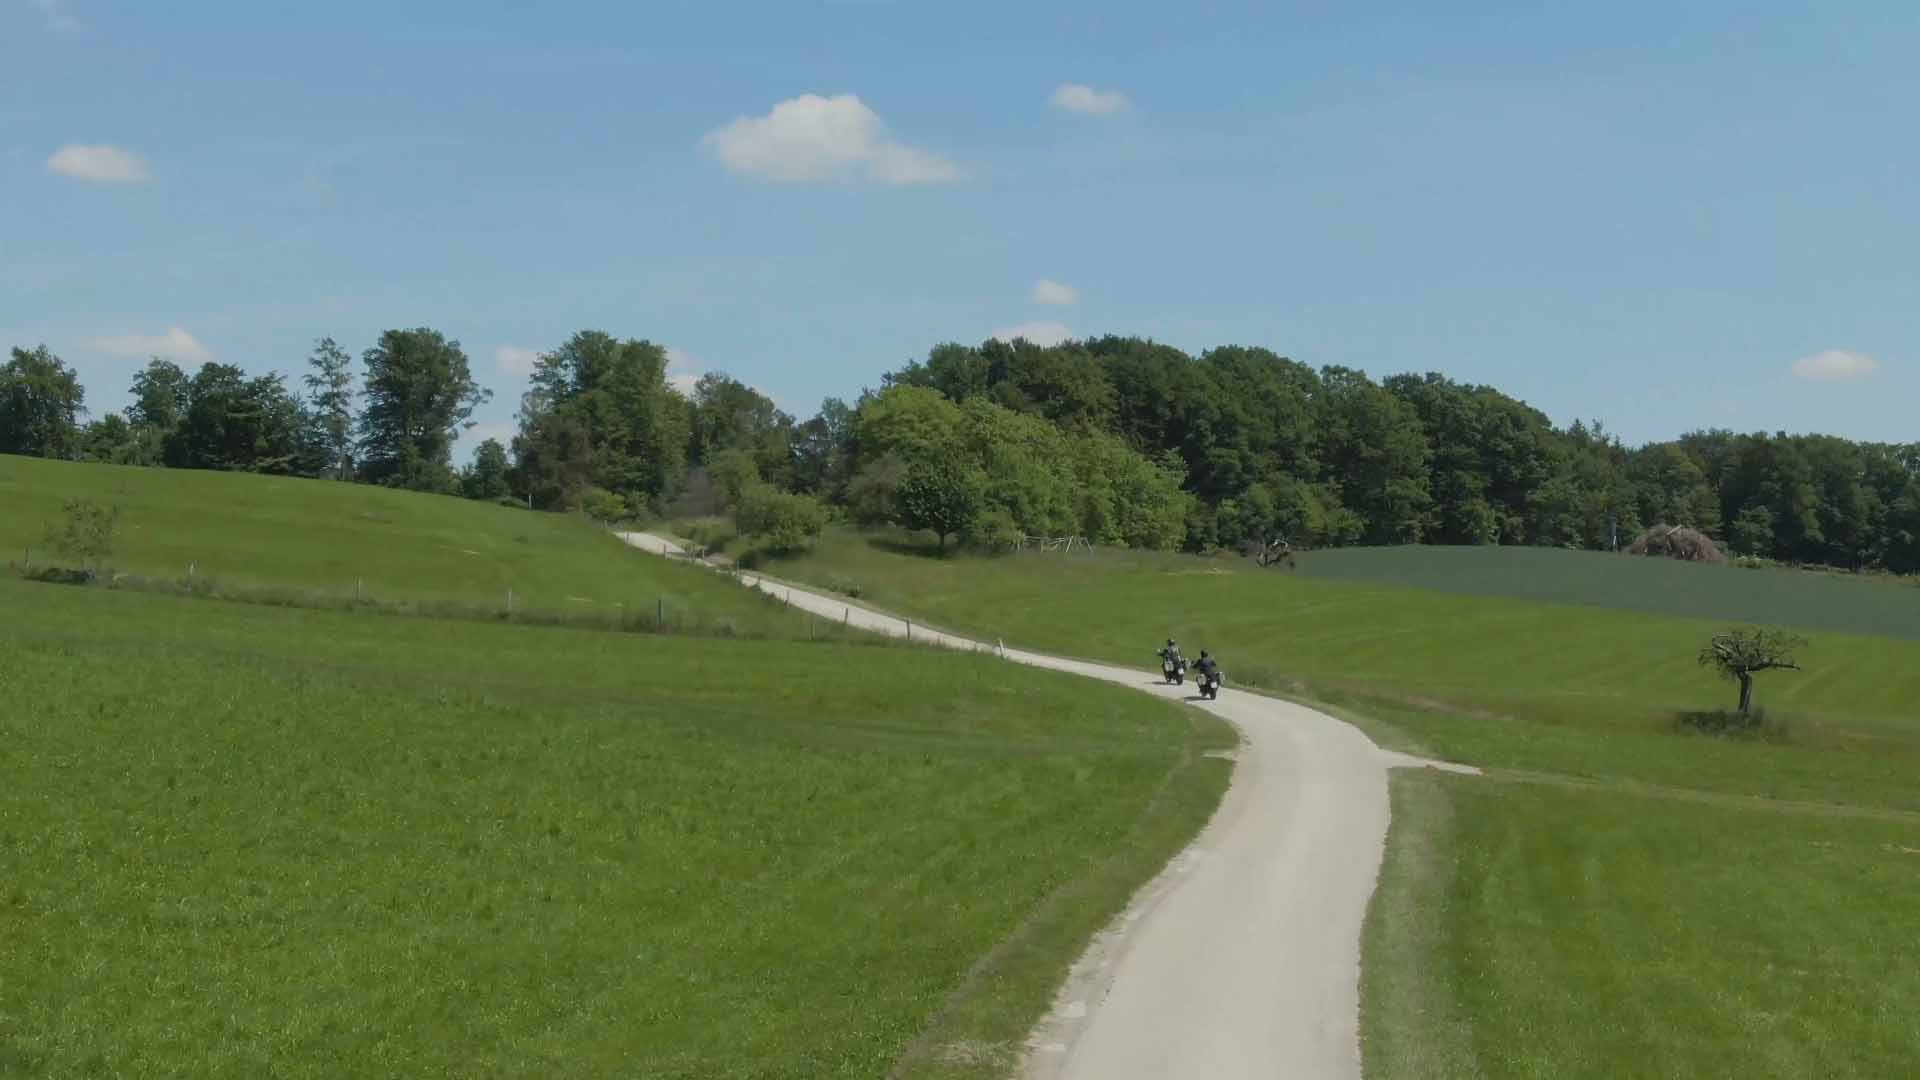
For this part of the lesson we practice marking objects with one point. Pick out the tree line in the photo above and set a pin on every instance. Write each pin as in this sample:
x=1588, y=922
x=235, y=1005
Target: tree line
x=1119, y=439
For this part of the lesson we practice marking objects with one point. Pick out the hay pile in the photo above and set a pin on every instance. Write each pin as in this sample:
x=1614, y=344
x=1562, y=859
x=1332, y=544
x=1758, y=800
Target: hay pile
x=1677, y=542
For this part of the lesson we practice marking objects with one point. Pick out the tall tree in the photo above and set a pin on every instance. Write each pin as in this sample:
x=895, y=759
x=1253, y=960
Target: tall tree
x=420, y=394
x=234, y=422
x=159, y=396
x=487, y=477
x=330, y=401
x=40, y=405
x=601, y=413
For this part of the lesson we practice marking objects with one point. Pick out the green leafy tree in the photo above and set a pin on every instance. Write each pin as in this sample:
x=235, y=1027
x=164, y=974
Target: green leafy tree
x=235, y=422
x=1753, y=531
x=160, y=396
x=733, y=472
x=113, y=440
x=781, y=520
x=85, y=532
x=940, y=496
x=41, y=402
x=601, y=413
x=330, y=398
x=602, y=505
x=420, y=393
x=488, y=477
x=1741, y=654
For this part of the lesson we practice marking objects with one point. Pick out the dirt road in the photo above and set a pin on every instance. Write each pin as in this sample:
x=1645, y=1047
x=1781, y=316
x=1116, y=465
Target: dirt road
x=1242, y=959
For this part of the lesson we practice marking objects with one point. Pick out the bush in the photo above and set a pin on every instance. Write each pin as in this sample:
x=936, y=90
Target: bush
x=602, y=505
x=85, y=532
x=784, y=522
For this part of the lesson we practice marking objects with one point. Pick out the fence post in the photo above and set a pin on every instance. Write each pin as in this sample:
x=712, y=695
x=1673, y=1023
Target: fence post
x=509, y=599
x=660, y=613
x=29, y=556
x=909, y=623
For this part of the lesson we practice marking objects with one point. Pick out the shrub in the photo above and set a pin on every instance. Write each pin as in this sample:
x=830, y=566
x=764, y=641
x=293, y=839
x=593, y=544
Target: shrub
x=85, y=532
x=785, y=522
x=602, y=505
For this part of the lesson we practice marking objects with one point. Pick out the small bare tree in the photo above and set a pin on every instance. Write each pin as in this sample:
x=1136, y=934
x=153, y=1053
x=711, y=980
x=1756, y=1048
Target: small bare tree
x=1741, y=654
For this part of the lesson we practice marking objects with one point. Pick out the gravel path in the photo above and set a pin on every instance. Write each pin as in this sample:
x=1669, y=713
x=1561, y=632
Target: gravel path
x=1242, y=958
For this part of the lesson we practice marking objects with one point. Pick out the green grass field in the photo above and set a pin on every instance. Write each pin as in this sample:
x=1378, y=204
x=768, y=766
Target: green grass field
x=245, y=841
x=286, y=535
x=1618, y=896
x=1825, y=602
x=1494, y=681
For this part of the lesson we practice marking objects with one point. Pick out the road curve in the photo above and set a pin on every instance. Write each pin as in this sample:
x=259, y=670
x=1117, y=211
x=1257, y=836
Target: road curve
x=1242, y=958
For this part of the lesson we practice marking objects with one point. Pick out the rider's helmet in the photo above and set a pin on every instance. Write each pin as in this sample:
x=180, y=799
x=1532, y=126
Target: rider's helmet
x=1169, y=642
x=1203, y=654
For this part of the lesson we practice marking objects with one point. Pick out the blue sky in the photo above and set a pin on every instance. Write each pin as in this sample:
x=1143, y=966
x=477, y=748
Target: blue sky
x=1647, y=213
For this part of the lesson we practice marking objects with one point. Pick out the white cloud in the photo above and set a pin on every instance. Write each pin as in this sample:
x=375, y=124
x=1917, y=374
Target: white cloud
x=1836, y=365
x=683, y=370
x=1052, y=292
x=813, y=138
x=56, y=15
x=175, y=344
x=514, y=360
x=1039, y=333
x=1076, y=98
x=100, y=164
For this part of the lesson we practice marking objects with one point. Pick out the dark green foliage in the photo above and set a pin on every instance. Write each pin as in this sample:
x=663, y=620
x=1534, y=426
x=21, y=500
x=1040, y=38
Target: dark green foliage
x=600, y=413
x=236, y=423
x=111, y=439
x=1331, y=457
x=40, y=405
x=330, y=419
x=487, y=477
x=160, y=396
x=939, y=496
x=419, y=395
x=727, y=414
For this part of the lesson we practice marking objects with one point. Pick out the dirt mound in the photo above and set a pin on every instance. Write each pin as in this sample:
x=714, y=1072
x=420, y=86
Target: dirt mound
x=1677, y=542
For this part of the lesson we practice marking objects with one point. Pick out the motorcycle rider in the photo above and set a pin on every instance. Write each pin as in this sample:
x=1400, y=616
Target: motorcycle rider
x=1207, y=665
x=1171, y=652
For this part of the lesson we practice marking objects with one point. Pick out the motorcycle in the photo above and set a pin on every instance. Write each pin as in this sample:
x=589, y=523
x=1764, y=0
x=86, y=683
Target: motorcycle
x=1174, y=670
x=1210, y=684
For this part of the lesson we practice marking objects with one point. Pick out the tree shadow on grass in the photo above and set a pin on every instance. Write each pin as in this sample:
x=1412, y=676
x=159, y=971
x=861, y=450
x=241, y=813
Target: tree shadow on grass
x=912, y=546
x=1733, y=724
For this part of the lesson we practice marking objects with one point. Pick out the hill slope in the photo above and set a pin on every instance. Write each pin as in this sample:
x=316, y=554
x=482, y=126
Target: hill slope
x=250, y=530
